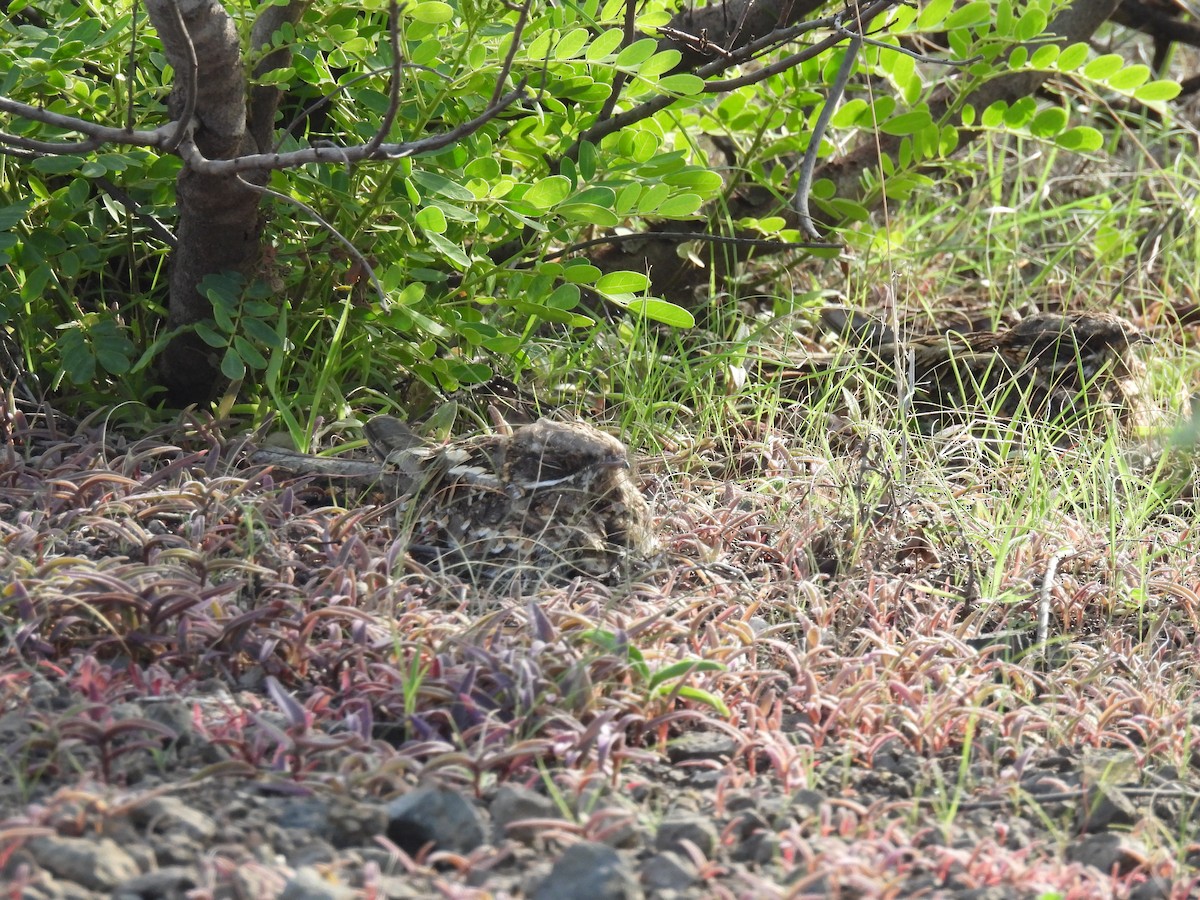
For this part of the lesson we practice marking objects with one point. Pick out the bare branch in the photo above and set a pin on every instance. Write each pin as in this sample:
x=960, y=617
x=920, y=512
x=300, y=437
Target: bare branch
x=264, y=98
x=620, y=78
x=50, y=147
x=103, y=133
x=389, y=117
x=809, y=163
x=179, y=35
x=734, y=57
x=702, y=237
x=328, y=226
x=256, y=161
x=518, y=29
x=327, y=98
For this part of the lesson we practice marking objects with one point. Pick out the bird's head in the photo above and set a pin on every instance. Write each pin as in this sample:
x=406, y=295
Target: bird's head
x=547, y=454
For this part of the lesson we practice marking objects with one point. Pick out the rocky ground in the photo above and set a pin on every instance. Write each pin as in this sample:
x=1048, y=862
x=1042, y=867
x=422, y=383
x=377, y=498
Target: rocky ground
x=215, y=684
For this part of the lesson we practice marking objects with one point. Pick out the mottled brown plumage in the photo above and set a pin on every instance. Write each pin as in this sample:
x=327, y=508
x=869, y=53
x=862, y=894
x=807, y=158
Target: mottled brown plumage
x=550, y=499
x=1076, y=370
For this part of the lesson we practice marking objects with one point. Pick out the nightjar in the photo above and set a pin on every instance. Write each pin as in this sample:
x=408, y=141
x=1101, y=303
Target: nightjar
x=550, y=499
x=1072, y=370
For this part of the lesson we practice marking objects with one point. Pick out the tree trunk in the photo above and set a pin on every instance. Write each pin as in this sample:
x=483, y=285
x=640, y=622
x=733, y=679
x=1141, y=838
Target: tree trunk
x=219, y=227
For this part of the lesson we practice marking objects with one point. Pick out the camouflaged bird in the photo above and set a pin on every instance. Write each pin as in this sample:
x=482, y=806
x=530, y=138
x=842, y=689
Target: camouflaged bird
x=548, y=499
x=1074, y=370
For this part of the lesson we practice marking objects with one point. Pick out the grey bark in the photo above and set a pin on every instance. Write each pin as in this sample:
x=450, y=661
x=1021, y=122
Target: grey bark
x=219, y=227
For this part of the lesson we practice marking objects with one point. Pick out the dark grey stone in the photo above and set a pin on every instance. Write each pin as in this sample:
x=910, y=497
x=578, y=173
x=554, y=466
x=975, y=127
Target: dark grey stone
x=590, y=870
x=436, y=815
x=514, y=803
x=697, y=829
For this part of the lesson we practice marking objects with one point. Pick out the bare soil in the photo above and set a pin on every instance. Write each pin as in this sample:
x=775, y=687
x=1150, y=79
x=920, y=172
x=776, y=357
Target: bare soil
x=215, y=684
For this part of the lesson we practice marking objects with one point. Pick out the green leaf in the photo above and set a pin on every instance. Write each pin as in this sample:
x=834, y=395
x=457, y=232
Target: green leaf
x=587, y=160
x=56, y=165
x=636, y=53
x=847, y=114
x=1048, y=122
x=1100, y=68
x=571, y=44
x=249, y=353
x=628, y=199
x=907, y=123
x=683, y=84
x=661, y=311
x=565, y=297
x=263, y=333
x=623, y=282
x=1072, y=57
x=697, y=695
x=77, y=356
x=211, y=337
x=1020, y=113
x=452, y=252
x=232, y=366
x=682, y=668
x=604, y=44
x=978, y=12
x=430, y=12
x=1157, y=91
x=1044, y=57
x=993, y=115
x=658, y=64
x=112, y=360
x=681, y=206
x=1129, y=78
x=12, y=214
x=589, y=214
x=702, y=181
x=439, y=184
x=933, y=15
x=547, y=192
x=1030, y=25
x=1080, y=138
x=431, y=219
x=1018, y=58
x=580, y=273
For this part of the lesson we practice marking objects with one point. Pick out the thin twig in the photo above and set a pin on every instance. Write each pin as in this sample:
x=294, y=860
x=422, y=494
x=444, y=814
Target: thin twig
x=190, y=85
x=621, y=78
x=1043, y=626
x=522, y=18
x=328, y=226
x=809, y=163
x=756, y=243
x=385, y=125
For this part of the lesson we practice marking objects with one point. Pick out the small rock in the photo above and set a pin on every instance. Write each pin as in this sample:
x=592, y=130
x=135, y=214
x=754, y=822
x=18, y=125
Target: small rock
x=668, y=871
x=310, y=853
x=434, y=815
x=1103, y=851
x=806, y=803
x=514, y=803
x=1153, y=888
x=169, y=883
x=352, y=823
x=701, y=745
x=696, y=829
x=760, y=847
x=307, y=884
x=1103, y=807
x=589, y=870
x=163, y=814
x=97, y=864
x=257, y=881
